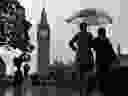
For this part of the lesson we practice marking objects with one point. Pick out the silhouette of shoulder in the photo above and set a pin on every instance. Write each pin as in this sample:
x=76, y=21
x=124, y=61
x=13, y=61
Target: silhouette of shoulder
x=102, y=43
x=76, y=37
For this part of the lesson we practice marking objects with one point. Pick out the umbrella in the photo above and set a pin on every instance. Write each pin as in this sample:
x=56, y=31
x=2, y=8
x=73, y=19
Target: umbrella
x=92, y=16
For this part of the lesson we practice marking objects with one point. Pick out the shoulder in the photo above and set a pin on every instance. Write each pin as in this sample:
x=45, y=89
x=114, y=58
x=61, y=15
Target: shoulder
x=78, y=34
x=108, y=42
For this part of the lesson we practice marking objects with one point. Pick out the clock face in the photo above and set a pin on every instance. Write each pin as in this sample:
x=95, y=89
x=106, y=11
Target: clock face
x=43, y=33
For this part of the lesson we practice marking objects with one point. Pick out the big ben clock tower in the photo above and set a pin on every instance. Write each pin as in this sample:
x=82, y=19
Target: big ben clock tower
x=43, y=37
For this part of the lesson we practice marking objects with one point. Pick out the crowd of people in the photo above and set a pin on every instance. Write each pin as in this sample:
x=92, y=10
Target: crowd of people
x=87, y=44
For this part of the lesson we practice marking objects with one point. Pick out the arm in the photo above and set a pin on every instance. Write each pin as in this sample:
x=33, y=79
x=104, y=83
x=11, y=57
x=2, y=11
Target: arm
x=114, y=56
x=112, y=50
x=71, y=42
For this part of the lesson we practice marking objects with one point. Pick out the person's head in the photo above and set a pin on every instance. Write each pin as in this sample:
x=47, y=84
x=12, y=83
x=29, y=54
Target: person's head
x=83, y=26
x=102, y=32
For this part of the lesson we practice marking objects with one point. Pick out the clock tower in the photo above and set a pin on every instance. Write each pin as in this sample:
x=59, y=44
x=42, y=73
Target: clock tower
x=43, y=37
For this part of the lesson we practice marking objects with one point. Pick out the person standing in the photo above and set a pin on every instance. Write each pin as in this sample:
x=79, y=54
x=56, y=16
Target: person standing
x=81, y=50
x=104, y=51
x=84, y=55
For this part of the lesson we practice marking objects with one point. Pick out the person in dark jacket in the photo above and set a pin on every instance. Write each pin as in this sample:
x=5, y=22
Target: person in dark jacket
x=104, y=51
x=26, y=70
x=81, y=40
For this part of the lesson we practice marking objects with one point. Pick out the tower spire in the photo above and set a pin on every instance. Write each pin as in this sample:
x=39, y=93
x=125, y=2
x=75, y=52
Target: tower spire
x=44, y=17
x=43, y=26
x=43, y=37
x=44, y=20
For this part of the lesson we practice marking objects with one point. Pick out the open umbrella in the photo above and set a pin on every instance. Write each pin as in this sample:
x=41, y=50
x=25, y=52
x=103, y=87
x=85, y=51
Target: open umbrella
x=92, y=16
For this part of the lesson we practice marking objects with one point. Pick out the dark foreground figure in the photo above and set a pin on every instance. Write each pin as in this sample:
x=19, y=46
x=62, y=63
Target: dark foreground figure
x=83, y=49
x=104, y=51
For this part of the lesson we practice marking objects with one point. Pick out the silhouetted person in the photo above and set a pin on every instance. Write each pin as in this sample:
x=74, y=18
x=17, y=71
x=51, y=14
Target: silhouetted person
x=81, y=40
x=17, y=62
x=26, y=70
x=104, y=51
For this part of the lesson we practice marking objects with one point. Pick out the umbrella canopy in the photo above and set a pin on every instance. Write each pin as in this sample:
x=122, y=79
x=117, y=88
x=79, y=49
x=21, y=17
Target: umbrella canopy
x=92, y=16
